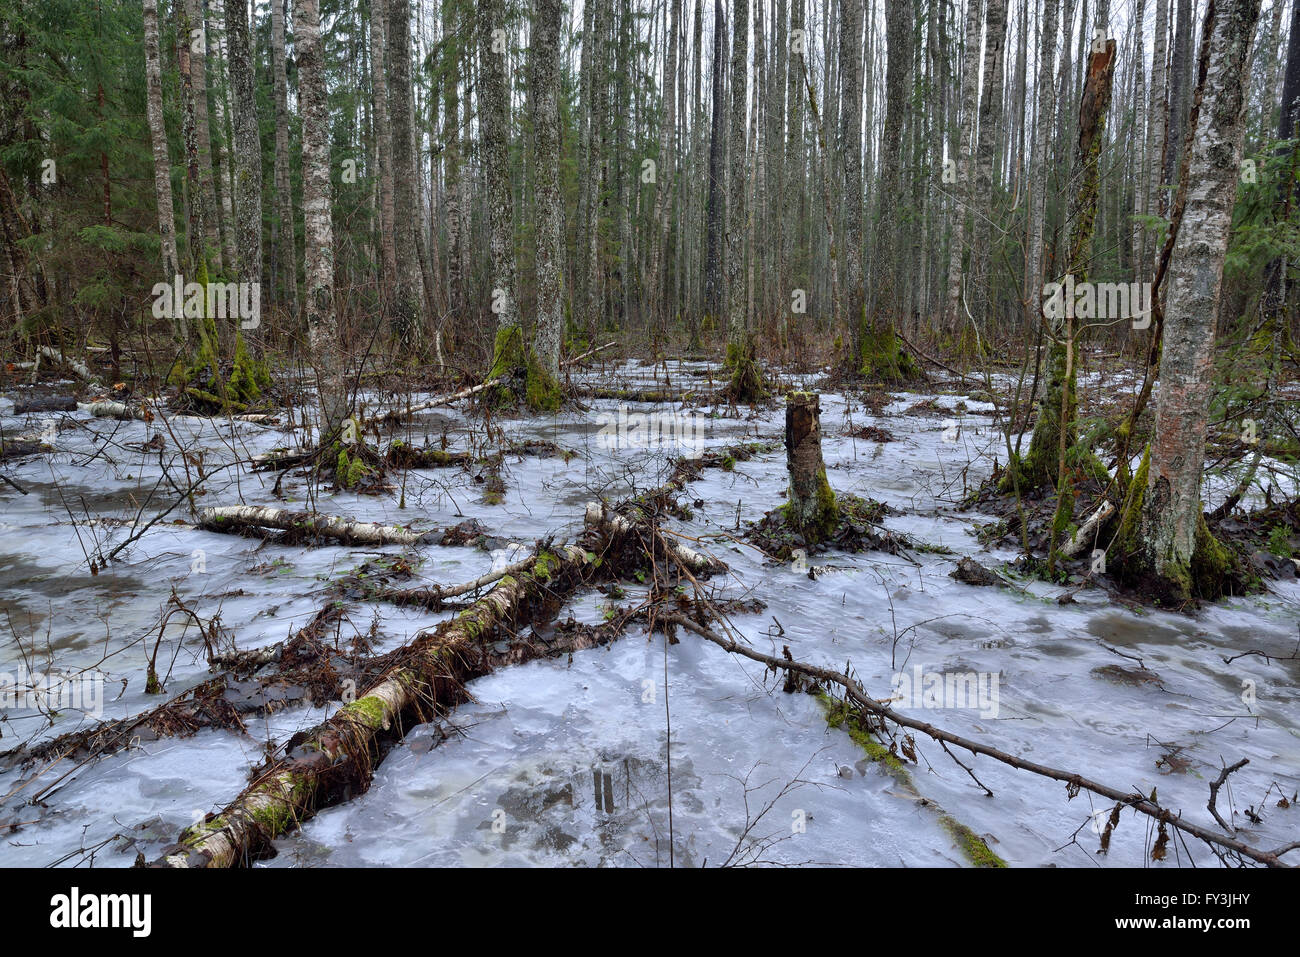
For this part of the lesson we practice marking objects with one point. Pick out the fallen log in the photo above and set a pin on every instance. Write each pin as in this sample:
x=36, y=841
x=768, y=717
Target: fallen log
x=348, y=531
x=79, y=368
x=16, y=448
x=433, y=596
x=334, y=760
x=44, y=403
x=650, y=396
x=855, y=693
x=116, y=410
x=696, y=562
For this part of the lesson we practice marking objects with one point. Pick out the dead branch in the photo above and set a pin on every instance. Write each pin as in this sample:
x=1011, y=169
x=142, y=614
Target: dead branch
x=1074, y=782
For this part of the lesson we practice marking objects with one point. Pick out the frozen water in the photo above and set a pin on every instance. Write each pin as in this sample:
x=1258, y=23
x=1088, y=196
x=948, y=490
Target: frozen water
x=569, y=762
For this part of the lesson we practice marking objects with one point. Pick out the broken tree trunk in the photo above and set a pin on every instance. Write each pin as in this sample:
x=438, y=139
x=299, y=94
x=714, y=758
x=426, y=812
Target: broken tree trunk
x=811, y=509
x=327, y=764
x=239, y=518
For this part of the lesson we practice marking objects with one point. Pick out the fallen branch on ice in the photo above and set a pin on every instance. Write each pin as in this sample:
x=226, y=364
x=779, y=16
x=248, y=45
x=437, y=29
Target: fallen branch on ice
x=237, y=518
x=1074, y=782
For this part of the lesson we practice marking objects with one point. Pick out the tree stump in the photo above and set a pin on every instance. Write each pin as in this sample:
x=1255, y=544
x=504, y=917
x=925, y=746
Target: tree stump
x=811, y=510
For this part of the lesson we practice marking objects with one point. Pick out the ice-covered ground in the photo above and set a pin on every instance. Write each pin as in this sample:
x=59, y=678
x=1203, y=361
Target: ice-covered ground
x=572, y=762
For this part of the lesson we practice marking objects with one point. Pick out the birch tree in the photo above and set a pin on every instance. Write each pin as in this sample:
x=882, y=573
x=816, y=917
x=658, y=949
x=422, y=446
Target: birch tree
x=318, y=236
x=1167, y=544
x=162, y=179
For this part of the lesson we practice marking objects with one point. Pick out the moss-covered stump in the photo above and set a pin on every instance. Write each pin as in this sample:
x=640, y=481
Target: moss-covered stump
x=1214, y=570
x=810, y=506
x=857, y=529
x=525, y=380
x=881, y=356
x=211, y=385
x=746, y=382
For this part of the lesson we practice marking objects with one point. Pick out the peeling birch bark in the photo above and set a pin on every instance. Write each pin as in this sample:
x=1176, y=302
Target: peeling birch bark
x=231, y=518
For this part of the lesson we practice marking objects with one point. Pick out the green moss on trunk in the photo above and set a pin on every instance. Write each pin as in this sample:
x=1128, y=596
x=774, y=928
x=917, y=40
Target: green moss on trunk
x=881, y=355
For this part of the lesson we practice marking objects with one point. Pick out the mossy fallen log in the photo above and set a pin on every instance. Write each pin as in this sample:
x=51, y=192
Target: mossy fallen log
x=334, y=760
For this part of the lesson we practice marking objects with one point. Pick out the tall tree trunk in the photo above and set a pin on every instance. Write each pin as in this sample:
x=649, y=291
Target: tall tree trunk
x=1056, y=428
x=713, y=289
x=665, y=175
x=792, y=175
x=1174, y=544
x=746, y=381
x=508, y=357
x=1159, y=110
x=407, y=285
x=285, y=253
x=318, y=236
x=850, y=61
x=451, y=140
x=1179, y=90
x=383, y=125
x=960, y=157
x=162, y=180
x=1041, y=162
x=985, y=160
x=224, y=173
x=198, y=44
x=900, y=18
x=247, y=154
x=544, y=56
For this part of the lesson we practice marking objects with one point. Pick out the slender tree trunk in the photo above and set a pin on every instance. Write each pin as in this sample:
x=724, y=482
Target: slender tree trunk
x=285, y=252
x=407, y=285
x=318, y=237
x=1179, y=91
x=247, y=155
x=793, y=178
x=850, y=61
x=1159, y=110
x=1174, y=543
x=386, y=213
x=162, y=180
x=960, y=157
x=666, y=174
x=1041, y=161
x=224, y=173
x=1056, y=428
x=544, y=54
x=207, y=195
x=717, y=170
x=985, y=159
